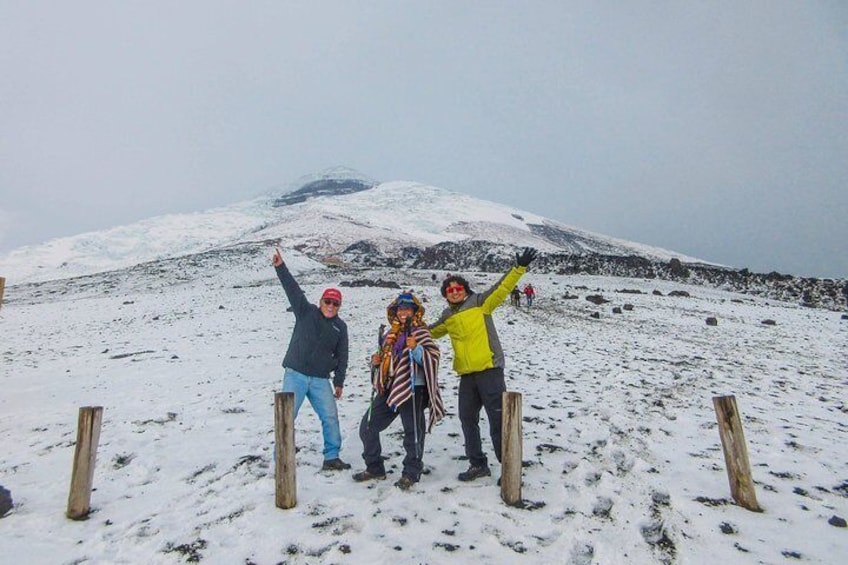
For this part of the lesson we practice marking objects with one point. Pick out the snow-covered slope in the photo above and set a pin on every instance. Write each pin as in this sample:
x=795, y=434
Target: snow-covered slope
x=160, y=237
x=623, y=460
x=323, y=223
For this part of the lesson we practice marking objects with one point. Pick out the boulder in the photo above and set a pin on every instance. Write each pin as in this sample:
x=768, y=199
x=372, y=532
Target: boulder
x=6, y=503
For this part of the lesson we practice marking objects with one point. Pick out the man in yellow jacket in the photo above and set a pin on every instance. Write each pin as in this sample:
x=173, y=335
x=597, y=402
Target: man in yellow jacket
x=478, y=357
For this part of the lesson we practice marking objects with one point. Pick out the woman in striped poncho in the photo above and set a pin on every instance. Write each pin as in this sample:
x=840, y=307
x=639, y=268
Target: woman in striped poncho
x=406, y=383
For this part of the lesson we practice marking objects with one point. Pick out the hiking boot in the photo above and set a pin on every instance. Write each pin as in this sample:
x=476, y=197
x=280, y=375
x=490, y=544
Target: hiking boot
x=366, y=475
x=405, y=483
x=335, y=465
x=474, y=472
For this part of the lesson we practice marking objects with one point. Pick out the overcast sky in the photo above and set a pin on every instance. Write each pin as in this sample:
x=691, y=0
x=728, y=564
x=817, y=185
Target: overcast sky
x=716, y=129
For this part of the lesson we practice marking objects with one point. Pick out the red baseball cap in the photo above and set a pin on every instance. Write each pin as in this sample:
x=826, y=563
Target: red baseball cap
x=333, y=294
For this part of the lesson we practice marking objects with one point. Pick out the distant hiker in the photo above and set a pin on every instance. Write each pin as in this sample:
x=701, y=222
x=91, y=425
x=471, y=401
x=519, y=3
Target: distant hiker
x=405, y=382
x=515, y=297
x=529, y=294
x=478, y=357
x=318, y=346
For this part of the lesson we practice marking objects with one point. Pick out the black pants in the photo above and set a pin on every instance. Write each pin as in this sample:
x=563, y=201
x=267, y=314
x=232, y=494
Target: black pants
x=483, y=389
x=411, y=412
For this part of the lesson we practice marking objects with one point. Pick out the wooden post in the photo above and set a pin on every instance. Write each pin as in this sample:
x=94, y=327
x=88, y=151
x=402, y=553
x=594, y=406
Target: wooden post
x=284, y=450
x=2, y=290
x=511, y=452
x=735, y=453
x=82, y=477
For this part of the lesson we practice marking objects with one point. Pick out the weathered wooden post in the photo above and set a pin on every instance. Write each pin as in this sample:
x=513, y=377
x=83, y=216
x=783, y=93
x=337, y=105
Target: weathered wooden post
x=284, y=450
x=511, y=452
x=735, y=453
x=82, y=477
x=2, y=290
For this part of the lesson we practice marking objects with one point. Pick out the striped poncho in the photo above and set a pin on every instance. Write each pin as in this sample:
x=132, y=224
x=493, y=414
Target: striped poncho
x=395, y=375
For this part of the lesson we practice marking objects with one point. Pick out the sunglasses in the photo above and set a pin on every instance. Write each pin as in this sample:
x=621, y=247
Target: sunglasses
x=331, y=302
x=453, y=289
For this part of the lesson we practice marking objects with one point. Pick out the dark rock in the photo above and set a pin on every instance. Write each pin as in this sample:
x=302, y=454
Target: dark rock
x=657, y=293
x=6, y=503
x=596, y=315
x=596, y=299
x=845, y=316
x=682, y=293
x=677, y=269
x=834, y=521
x=727, y=528
x=380, y=283
x=323, y=187
x=769, y=323
x=628, y=307
x=616, y=310
x=712, y=321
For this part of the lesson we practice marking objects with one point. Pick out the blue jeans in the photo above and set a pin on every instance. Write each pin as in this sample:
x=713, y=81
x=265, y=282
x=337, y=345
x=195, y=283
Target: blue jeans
x=319, y=391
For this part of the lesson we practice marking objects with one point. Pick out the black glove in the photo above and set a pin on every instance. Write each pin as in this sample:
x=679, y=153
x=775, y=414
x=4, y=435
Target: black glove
x=526, y=257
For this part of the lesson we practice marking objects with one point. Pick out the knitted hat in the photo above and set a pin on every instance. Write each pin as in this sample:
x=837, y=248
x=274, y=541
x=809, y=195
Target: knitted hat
x=406, y=299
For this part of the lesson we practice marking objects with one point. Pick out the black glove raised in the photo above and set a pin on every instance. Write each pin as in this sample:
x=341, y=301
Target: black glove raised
x=526, y=257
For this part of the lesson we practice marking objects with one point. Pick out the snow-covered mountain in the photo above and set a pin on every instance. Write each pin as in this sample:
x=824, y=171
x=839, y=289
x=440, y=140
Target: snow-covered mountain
x=341, y=218
x=181, y=342
x=330, y=217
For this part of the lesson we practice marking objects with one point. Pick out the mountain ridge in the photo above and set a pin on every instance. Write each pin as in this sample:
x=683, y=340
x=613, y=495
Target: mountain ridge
x=342, y=219
x=324, y=214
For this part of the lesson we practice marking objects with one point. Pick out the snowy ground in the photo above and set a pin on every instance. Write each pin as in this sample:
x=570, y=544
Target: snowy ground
x=622, y=456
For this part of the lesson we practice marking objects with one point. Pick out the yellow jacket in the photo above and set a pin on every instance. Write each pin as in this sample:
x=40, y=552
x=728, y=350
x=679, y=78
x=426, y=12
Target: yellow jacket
x=476, y=346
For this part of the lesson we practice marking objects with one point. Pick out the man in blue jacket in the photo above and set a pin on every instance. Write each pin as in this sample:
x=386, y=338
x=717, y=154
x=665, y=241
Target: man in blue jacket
x=318, y=346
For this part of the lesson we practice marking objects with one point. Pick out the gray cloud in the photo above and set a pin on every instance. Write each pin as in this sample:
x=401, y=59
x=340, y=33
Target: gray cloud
x=714, y=129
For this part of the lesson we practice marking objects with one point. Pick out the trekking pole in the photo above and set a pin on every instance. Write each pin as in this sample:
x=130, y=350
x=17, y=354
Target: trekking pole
x=412, y=386
x=414, y=412
x=375, y=370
